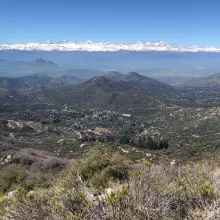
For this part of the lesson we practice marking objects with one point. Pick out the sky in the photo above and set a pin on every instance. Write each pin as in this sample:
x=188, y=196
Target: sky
x=182, y=22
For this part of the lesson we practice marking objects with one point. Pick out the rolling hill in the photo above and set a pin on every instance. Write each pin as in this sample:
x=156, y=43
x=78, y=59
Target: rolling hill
x=101, y=92
x=85, y=92
x=126, y=91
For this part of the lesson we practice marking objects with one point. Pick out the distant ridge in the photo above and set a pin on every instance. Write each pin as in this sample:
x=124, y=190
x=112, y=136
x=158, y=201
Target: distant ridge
x=39, y=62
x=21, y=68
x=211, y=82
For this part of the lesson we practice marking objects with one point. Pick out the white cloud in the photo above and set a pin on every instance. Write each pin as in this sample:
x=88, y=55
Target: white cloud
x=100, y=46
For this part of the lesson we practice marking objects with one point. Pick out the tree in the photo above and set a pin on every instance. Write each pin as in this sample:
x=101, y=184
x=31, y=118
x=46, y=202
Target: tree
x=150, y=144
x=163, y=144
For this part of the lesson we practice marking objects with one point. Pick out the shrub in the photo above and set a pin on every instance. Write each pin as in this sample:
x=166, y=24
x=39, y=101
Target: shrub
x=32, y=183
x=99, y=167
x=153, y=192
x=11, y=176
x=39, y=160
x=205, y=189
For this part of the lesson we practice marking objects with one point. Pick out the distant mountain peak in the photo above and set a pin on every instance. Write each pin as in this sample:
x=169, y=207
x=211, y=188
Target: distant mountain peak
x=40, y=61
x=98, y=79
x=114, y=75
x=133, y=74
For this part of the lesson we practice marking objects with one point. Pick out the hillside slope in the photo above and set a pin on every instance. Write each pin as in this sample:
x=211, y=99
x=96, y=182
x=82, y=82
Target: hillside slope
x=140, y=82
x=100, y=92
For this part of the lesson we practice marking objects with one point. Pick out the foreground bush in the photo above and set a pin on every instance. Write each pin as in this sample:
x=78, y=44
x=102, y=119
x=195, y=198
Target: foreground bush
x=99, y=168
x=13, y=177
x=10, y=177
x=152, y=192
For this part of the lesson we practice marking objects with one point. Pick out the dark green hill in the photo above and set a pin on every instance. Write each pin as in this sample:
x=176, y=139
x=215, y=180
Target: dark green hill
x=100, y=92
x=85, y=92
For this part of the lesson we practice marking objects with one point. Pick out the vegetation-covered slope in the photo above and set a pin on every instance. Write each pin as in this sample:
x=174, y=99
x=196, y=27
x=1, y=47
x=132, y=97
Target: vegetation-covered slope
x=140, y=82
x=100, y=92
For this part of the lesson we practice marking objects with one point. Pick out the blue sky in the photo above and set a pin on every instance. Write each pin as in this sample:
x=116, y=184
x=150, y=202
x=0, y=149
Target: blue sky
x=185, y=22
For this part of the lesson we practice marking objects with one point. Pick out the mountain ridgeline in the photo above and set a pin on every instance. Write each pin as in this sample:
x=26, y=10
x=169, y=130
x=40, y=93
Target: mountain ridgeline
x=125, y=91
x=31, y=87
x=112, y=90
x=37, y=80
x=40, y=66
x=140, y=83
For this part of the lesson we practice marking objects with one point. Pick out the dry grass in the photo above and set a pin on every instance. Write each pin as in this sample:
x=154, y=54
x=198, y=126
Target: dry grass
x=154, y=192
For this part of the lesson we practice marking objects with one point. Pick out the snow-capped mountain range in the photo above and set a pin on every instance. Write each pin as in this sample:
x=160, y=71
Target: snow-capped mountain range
x=106, y=47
